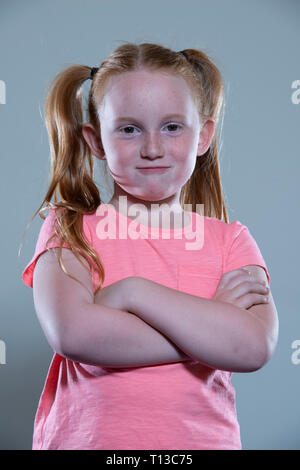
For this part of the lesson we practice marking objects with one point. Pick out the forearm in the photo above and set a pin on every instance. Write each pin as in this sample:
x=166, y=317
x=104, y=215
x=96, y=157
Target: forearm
x=108, y=337
x=218, y=334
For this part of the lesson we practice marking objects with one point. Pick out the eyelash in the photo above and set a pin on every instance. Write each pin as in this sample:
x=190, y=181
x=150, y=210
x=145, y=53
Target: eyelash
x=133, y=127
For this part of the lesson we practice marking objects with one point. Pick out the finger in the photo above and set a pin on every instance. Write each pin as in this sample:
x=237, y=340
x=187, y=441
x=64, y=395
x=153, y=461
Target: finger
x=246, y=271
x=251, y=299
x=238, y=277
x=249, y=288
x=233, y=275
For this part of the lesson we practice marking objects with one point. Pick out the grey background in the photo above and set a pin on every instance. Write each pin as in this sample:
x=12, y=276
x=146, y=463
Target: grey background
x=256, y=46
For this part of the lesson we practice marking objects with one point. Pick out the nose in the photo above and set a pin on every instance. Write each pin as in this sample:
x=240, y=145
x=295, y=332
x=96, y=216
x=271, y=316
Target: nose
x=152, y=147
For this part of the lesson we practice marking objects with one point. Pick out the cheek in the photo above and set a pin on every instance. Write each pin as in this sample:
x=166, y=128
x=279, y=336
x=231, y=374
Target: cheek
x=119, y=158
x=118, y=168
x=184, y=168
x=185, y=162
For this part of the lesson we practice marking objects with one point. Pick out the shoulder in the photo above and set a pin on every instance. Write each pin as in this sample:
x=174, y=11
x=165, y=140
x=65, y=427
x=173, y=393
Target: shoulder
x=228, y=232
x=224, y=232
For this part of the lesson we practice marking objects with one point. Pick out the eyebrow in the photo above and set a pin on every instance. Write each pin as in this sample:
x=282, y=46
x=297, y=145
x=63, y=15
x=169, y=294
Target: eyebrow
x=168, y=116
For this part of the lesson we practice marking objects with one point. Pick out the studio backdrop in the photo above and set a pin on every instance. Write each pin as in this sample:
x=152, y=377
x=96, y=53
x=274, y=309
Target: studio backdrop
x=255, y=45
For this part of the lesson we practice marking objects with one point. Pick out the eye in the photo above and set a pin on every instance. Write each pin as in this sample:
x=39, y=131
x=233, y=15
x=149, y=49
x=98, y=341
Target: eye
x=174, y=125
x=127, y=127
x=174, y=128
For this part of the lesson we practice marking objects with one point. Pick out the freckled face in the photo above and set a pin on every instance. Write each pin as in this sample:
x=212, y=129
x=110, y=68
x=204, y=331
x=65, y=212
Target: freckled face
x=160, y=128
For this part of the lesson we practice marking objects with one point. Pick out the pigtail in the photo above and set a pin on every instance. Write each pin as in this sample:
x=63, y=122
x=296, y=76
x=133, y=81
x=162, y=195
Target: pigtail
x=72, y=165
x=204, y=185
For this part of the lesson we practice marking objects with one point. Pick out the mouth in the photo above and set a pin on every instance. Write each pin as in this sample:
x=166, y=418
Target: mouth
x=153, y=169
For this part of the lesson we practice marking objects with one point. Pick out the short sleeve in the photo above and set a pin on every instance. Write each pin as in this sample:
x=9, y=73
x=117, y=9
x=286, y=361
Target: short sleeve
x=241, y=249
x=47, y=229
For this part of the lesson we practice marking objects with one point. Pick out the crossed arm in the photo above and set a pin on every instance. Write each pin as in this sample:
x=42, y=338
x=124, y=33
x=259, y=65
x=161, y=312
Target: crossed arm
x=165, y=325
x=215, y=333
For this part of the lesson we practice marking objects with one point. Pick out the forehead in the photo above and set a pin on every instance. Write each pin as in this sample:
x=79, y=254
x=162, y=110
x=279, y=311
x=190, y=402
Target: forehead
x=144, y=90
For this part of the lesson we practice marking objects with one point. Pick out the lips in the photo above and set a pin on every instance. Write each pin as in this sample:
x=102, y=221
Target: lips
x=153, y=169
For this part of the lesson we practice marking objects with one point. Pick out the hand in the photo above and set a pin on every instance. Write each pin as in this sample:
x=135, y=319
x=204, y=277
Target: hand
x=239, y=288
x=115, y=295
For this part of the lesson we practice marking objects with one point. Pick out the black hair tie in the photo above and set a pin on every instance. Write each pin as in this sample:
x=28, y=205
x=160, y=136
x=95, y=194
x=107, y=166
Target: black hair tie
x=184, y=53
x=93, y=71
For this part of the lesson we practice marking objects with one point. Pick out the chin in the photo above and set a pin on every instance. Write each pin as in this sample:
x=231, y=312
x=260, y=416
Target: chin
x=155, y=198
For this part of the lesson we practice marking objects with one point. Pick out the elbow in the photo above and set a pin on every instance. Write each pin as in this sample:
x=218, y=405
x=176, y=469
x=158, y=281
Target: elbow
x=65, y=345
x=70, y=341
x=65, y=348
x=59, y=338
x=260, y=361
x=61, y=348
x=58, y=342
x=256, y=359
x=264, y=350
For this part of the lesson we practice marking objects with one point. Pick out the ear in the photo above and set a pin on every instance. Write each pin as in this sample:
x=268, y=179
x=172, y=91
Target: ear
x=205, y=136
x=93, y=139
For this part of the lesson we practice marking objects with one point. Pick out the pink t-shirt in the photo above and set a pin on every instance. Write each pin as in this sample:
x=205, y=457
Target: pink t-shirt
x=174, y=406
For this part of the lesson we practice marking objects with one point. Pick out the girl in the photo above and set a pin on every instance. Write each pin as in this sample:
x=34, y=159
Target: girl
x=147, y=326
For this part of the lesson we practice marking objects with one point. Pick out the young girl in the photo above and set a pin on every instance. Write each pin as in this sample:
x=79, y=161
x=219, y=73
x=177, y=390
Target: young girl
x=149, y=302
